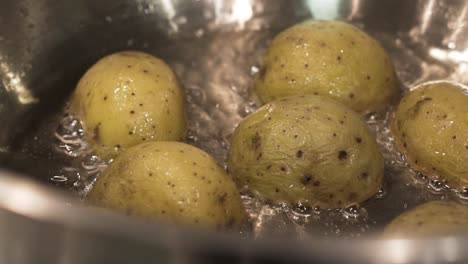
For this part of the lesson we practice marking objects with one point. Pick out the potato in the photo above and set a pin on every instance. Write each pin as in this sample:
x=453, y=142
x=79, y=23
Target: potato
x=307, y=149
x=436, y=218
x=430, y=127
x=127, y=98
x=172, y=182
x=328, y=58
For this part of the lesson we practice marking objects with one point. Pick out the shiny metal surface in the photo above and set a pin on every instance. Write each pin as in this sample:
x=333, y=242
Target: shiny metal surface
x=215, y=46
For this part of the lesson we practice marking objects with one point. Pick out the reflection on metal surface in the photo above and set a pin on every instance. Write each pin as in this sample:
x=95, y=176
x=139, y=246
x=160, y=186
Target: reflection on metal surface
x=460, y=29
x=454, y=56
x=324, y=9
x=427, y=15
x=169, y=10
x=234, y=11
x=398, y=251
x=215, y=46
x=449, y=249
x=354, y=12
x=12, y=81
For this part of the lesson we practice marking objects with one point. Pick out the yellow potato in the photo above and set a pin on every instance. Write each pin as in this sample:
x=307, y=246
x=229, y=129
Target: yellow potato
x=437, y=218
x=127, y=98
x=431, y=128
x=172, y=182
x=328, y=58
x=308, y=149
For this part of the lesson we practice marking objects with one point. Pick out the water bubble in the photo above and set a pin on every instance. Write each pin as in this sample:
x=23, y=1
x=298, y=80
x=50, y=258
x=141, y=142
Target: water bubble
x=69, y=130
x=301, y=210
x=420, y=177
x=353, y=212
x=437, y=186
x=381, y=193
x=71, y=150
x=92, y=162
x=108, y=19
x=192, y=137
x=69, y=134
x=59, y=178
x=462, y=194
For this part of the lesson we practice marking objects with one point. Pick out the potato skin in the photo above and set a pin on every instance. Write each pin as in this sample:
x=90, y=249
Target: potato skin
x=329, y=58
x=172, y=182
x=308, y=149
x=436, y=218
x=430, y=127
x=127, y=98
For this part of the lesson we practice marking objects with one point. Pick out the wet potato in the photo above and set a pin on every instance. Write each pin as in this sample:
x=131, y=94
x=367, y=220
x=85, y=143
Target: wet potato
x=328, y=58
x=172, y=182
x=127, y=98
x=437, y=218
x=306, y=149
x=430, y=127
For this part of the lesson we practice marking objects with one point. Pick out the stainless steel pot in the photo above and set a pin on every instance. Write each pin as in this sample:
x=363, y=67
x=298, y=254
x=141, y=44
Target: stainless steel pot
x=46, y=45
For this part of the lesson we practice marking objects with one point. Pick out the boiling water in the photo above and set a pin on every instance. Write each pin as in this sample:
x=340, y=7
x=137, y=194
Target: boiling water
x=217, y=75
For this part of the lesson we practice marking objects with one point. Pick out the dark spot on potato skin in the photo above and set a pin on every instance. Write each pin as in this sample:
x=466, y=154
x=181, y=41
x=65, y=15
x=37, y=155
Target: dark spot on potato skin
x=342, y=155
x=283, y=168
x=352, y=196
x=364, y=175
x=358, y=140
x=418, y=105
x=105, y=98
x=132, y=112
x=222, y=198
x=96, y=134
x=316, y=183
x=262, y=73
x=300, y=154
x=268, y=167
x=256, y=141
x=259, y=156
x=306, y=179
x=277, y=190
